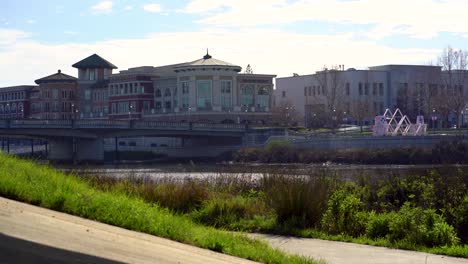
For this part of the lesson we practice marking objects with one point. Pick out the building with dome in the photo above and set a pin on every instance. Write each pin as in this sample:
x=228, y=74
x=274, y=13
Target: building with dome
x=204, y=90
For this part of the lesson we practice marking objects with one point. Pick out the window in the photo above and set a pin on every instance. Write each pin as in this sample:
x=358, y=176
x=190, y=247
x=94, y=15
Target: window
x=283, y=93
x=87, y=94
x=360, y=88
x=204, y=93
x=226, y=94
x=263, y=97
x=381, y=89
x=158, y=105
x=305, y=91
x=247, y=95
x=366, y=89
x=310, y=90
x=313, y=90
x=347, y=89
x=167, y=105
x=185, y=87
x=167, y=92
x=47, y=107
x=146, y=106
x=114, y=110
x=158, y=93
x=374, y=89
x=91, y=74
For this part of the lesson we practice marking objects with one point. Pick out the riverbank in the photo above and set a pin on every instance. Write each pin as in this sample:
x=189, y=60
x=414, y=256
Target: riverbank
x=41, y=185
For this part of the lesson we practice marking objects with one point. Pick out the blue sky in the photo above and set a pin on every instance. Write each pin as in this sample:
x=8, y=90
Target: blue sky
x=274, y=36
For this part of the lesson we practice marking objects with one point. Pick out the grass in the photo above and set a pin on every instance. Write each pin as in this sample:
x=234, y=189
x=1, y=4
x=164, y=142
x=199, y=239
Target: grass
x=43, y=186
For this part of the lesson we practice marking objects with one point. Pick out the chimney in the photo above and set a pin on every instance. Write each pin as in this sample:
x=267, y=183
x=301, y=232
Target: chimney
x=59, y=71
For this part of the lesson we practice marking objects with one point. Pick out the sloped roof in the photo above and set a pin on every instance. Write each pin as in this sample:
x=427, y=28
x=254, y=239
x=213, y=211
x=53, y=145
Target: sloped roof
x=94, y=61
x=208, y=60
x=57, y=77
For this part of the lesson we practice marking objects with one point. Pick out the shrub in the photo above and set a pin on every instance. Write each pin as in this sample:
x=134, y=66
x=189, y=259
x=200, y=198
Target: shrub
x=279, y=151
x=421, y=227
x=461, y=219
x=378, y=224
x=299, y=201
x=227, y=212
x=344, y=215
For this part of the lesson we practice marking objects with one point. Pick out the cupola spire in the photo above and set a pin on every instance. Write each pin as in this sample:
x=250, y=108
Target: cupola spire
x=207, y=56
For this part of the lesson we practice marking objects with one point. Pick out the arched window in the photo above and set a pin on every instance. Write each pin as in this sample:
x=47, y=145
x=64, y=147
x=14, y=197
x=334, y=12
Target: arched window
x=158, y=93
x=167, y=92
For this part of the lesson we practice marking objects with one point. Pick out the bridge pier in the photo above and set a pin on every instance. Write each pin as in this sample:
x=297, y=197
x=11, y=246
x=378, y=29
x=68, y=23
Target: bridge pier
x=76, y=149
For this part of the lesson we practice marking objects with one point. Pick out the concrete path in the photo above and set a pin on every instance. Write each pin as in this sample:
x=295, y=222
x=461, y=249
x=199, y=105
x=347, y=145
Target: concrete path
x=30, y=234
x=349, y=253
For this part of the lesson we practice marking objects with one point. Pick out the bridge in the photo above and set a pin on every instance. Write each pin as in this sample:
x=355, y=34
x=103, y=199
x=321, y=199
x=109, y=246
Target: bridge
x=82, y=139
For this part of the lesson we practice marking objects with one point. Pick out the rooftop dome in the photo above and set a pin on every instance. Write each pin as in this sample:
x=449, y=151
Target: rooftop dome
x=208, y=61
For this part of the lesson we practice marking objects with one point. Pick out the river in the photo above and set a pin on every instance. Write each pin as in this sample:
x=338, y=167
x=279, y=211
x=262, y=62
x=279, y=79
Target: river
x=192, y=170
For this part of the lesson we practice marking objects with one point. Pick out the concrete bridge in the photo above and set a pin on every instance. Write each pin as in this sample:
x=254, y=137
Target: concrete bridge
x=83, y=139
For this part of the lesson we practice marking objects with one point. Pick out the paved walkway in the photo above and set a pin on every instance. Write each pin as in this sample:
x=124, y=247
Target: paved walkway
x=348, y=253
x=30, y=234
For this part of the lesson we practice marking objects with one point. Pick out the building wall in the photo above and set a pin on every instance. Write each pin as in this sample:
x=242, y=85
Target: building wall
x=15, y=102
x=55, y=101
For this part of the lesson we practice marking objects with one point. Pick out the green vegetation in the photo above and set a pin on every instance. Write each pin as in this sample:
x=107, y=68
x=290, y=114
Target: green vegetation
x=118, y=205
x=423, y=212
x=283, y=152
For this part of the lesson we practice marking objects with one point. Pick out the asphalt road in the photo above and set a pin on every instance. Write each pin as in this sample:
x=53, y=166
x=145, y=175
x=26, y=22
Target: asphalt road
x=30, y=234
x=348, y=253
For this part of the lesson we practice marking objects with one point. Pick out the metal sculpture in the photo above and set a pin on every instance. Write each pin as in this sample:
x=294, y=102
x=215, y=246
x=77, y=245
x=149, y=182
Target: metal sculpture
x=396, y=123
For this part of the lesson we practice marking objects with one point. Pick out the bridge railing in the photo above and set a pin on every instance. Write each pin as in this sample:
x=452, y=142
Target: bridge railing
x=83, y=123
x=139, y=124
x=224, y=127
x=40, y=123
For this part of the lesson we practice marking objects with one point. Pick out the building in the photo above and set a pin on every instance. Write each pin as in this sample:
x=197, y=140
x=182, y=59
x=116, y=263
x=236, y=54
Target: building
x=15, y=101
x=55, y=97
x=93, y=86
x=356, y=96
x=210, y=90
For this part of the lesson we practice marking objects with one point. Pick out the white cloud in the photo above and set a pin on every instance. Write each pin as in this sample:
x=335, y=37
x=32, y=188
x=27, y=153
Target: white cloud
x=103, y=7
x=271, y=52
x=8, y=37
x=31, y=21
x=129, y=7
x=422, y=18
x=153, y=8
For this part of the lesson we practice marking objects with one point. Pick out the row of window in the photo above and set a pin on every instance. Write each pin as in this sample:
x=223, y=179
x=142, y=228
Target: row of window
x=12, y=96
x=65, y=94
x=363, y=88
x=13, y=108
x=126, y=88
x=53, y=107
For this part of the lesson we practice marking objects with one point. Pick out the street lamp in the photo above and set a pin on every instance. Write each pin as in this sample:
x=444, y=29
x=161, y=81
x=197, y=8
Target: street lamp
x=130, y=111
x=434, y=118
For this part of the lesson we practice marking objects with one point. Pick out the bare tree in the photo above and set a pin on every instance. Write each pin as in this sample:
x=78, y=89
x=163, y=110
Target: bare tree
x=285, y=114
x=329, y=96
x=361, y=106
x=453, y=95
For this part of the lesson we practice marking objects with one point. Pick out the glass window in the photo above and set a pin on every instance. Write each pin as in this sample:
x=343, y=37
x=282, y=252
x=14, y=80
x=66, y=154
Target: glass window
x=247, y=94
x=87, y=94
x=167, y=92
x=55, y=93
x=158, y=93
x=204, y=93
x=381, y=89
x=185, y=87
x=91, y=74
x=347, y=89
x=226, y=94
x=263, y=97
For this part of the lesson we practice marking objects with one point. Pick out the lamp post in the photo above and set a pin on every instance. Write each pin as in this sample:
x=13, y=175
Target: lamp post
x=130, y=108
x=434, y=118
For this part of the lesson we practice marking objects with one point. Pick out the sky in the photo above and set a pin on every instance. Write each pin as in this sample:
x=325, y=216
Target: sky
x=279, y=37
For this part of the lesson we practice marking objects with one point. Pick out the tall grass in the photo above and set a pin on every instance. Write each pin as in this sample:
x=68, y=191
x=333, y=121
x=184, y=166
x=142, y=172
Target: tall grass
x=44, y=186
